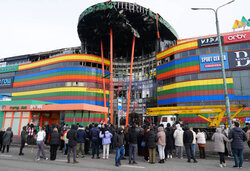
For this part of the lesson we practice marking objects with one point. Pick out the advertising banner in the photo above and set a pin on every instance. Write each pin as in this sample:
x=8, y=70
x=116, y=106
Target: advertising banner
x=239, y=59
x=210, y=41
x=234, y=38
x=212, y=62
x=6, y=82
x=9, y=68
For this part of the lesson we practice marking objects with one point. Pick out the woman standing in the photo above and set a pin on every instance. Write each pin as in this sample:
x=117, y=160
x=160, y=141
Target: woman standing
x=169, y=141
x=40, y=137
x=219, y=145
x=54, y=143
x=106, y=136
x=7, y=139
x=161, y=143
x=1, y=138
x=201, y=141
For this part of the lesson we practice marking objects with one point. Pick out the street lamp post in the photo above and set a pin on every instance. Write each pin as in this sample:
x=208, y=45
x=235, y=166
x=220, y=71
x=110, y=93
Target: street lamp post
x=221, y=58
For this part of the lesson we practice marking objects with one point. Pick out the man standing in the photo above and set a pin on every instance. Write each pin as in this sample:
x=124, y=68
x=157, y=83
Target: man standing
x=72, y=136
x=238, y=136
x=119, y=146
x=94, y=133
x=132, y=138
x=81, y=136
x=187, y=140
x=23, y=140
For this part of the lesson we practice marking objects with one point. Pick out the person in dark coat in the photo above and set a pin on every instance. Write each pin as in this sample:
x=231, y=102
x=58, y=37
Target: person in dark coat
x=145, y=148
x=87, y=140
x=81, y=136
x=7, y=139
x=151, y=142
x=23, y=140
x=72, y=136
x=187, y=141
x=238, y=137
x=119, y=142
x=54, y=143
x=94, y=133
x=169, y=141
x=1, y=138
x=132, y=138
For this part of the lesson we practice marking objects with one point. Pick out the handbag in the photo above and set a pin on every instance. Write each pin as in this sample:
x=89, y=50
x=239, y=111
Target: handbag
x=143, y=144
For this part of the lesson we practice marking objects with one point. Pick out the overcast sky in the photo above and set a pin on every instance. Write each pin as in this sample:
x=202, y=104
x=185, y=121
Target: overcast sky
x=32, y=26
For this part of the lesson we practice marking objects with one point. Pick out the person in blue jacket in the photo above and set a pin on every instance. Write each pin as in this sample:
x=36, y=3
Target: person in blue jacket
x=81, y=137
x=238, y=137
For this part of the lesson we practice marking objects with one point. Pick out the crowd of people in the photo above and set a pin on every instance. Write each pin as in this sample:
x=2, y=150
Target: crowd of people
x=133, y=140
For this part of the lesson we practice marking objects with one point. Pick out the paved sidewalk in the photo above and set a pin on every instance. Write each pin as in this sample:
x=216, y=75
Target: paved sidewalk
x=11, y=161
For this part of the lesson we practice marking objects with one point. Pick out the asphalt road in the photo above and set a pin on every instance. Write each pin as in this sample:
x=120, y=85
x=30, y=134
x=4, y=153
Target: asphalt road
x=12, y=162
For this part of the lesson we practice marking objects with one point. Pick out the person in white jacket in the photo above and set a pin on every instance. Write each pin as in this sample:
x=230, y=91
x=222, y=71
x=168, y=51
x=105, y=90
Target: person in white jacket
x=201, y=141
x=40, y=136
x=178, y=136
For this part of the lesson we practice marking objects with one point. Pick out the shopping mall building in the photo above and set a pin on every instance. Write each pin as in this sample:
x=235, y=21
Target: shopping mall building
x=129, y=59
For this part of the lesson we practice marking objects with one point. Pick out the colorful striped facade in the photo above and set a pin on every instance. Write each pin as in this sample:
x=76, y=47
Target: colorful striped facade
x=182, y=82
x=64, y=79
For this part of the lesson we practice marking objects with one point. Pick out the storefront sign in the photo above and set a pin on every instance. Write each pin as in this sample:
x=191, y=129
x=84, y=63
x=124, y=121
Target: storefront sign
x=9, y=68
x=32, y=107
x=210, y=41
x=119, y=103
x=239, y=37
x=239, y=59
x=18, y=107
x=6, y=82
x=212, y=62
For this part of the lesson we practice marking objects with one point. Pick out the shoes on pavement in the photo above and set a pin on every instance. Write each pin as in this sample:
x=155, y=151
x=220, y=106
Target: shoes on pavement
x=37, y=159
x=188, y=161
x=92, y=157
x=170, y=156
x=135, y=162
x=98, y=157
x=68, y=161
x=195, y=161
x=117, y=164
x=236, y=166
x=220, y=165
x=75, y=162
x=129, y=162
x=224, y=164
x=46, y=158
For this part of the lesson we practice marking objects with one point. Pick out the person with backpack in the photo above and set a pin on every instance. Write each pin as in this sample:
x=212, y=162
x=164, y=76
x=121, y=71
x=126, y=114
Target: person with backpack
x=238, y=136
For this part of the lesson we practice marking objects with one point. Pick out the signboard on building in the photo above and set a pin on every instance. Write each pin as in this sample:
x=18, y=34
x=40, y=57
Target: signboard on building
x=212, y=62
x=210, y=41
x=247, y=119
x=9, y=68
x=239, y=59
x=6, y=82
x=119, y=103
x=239, y=37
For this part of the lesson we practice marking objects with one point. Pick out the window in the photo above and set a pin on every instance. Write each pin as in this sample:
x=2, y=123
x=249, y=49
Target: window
x=16, y=120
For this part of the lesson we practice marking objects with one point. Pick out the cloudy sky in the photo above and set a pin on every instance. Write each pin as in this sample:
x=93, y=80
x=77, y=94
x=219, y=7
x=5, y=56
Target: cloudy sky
x=32, y=26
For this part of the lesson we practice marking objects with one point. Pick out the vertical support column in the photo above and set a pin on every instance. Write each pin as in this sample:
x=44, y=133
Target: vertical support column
x=103, y=82
x=111, y=76
x=130, y=79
